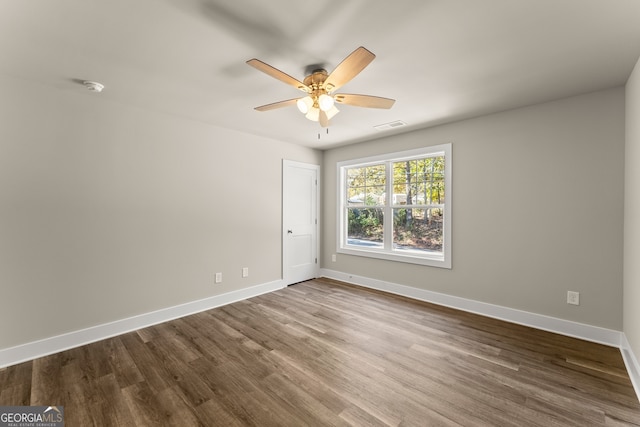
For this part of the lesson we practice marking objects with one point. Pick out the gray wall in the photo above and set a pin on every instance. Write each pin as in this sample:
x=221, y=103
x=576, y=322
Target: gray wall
x=108, y=211
x=537, y=209
x=632, y=213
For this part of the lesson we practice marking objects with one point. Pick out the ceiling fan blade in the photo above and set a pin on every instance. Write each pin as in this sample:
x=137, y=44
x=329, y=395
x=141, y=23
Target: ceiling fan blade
x=324, y=120
x=348, y=68
x=277, y=74
x=366, y=101
x=279, y=104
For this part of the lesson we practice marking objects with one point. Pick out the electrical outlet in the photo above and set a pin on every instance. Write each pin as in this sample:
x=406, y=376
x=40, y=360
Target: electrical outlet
x=218, y=277
x=573, y=298
x=245, y=271
x=333, y=257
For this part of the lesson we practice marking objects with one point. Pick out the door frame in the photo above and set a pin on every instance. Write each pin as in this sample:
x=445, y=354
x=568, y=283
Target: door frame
x=285, y=165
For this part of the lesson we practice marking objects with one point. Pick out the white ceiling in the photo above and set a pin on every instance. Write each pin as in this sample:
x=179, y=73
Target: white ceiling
x=442, y=60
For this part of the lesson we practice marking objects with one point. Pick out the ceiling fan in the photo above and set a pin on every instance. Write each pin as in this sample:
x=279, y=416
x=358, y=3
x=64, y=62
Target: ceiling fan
x=319, y=103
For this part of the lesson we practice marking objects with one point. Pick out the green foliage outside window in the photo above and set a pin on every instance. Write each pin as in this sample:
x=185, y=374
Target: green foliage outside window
x=418, y=186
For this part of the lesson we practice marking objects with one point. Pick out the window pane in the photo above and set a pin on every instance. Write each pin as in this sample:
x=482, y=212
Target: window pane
x=365, y=185
x=417, y=229
x=365, y=227
x=419, y=181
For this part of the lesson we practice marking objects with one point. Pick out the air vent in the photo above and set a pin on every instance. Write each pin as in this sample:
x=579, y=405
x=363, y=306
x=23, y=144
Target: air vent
x=390, y=125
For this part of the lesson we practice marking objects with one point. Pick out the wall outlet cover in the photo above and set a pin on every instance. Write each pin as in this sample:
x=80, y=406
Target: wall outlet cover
x=573, y=298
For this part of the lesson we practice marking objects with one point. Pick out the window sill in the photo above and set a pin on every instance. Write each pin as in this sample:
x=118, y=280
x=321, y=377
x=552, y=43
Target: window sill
x=432, y=260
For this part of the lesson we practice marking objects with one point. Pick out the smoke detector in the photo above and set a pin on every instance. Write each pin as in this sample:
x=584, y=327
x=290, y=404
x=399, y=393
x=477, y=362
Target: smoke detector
x=93, y=86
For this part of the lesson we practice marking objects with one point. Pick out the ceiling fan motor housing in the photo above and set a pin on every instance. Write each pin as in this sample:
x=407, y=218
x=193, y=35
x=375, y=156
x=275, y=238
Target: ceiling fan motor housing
x=316, y=79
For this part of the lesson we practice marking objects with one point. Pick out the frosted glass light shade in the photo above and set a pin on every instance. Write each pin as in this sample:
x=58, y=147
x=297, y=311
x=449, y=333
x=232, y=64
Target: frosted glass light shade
x=313, y=114
x=304, y=104
x=332, y=112
x=325, y=102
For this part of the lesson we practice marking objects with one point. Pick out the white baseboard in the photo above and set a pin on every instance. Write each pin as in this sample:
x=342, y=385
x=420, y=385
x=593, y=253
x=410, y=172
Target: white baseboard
x=632, y=364
x=29, y=351
x=564, y=327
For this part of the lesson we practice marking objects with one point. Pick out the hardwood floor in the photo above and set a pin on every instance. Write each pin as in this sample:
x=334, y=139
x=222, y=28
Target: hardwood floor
x=325, y=353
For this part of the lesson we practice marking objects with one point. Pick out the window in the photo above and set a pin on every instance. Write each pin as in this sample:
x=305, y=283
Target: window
x=397, y=206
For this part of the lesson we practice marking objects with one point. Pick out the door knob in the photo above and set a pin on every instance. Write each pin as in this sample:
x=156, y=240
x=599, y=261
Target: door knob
x=290, y=231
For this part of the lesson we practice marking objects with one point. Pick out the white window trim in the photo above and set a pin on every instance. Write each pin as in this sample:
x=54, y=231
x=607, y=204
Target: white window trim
x=442, y=260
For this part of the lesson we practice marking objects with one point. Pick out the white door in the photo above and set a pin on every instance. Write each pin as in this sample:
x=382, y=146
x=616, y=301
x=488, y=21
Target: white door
x=299, y=221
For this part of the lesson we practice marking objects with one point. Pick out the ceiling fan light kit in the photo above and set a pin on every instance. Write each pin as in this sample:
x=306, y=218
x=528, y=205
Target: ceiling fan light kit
x=319, y=103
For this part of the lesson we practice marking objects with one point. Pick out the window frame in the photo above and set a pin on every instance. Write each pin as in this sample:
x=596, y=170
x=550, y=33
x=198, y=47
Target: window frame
x=439, y=259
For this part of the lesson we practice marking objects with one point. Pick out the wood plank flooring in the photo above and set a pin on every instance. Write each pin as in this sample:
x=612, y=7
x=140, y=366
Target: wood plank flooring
x=325, y=353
